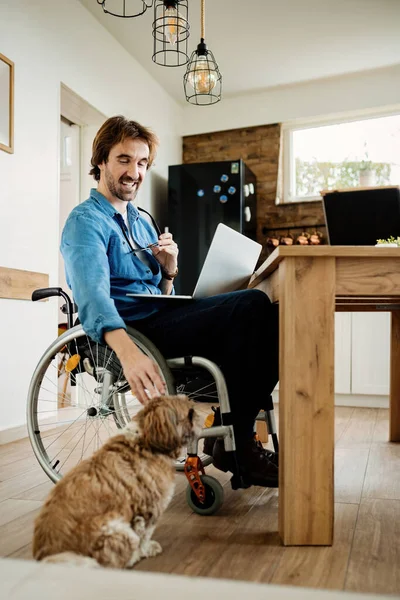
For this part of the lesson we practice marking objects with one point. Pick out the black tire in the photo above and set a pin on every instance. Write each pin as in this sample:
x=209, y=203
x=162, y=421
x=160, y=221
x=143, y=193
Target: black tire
x=64, y=433
x=213, y=500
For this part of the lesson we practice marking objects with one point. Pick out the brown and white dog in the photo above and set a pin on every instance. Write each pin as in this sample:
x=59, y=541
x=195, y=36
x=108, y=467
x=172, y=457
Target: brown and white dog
x=104, y=511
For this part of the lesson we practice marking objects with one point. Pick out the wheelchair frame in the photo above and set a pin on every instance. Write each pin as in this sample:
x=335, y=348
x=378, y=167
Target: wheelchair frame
x=205, y=493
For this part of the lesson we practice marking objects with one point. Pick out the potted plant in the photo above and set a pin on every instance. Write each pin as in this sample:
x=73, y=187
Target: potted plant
x=366, y=171
x=391, y=242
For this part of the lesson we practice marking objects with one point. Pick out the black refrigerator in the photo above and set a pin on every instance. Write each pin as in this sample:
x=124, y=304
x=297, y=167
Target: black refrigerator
x=201, y=195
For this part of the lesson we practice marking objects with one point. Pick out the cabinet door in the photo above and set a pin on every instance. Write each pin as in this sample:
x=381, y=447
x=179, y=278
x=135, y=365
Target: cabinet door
x=370, y=353
x=342, y=353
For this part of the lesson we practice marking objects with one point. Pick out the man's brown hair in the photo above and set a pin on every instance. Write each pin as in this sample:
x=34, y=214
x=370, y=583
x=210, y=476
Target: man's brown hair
x=116, y=130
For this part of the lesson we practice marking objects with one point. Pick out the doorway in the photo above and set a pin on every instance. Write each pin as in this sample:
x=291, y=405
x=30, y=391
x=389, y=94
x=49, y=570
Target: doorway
x=70, y=182
x=79, y=122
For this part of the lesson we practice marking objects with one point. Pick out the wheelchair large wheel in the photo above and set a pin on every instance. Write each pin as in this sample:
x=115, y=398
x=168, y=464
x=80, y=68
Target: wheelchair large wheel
x=78, y=398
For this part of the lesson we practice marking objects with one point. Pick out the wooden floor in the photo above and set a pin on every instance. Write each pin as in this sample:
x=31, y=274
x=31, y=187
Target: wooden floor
x=241, y=541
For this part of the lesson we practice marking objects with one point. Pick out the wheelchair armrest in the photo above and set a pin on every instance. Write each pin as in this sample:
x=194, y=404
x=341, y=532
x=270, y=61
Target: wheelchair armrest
x=43, y=293
x=69, y=308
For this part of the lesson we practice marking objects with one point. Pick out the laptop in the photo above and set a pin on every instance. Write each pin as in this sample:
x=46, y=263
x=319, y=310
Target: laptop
x=229, y=264
x=361, y=217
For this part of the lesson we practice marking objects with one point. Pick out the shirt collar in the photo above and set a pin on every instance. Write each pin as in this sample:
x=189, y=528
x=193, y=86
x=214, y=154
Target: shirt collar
x=133, y=212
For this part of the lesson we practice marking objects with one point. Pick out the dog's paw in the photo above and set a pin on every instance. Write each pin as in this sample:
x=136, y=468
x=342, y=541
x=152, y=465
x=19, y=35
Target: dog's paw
x=152, y=548
x=139, y=526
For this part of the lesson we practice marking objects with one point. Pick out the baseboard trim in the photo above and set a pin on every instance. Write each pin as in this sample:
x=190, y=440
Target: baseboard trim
x=13, y=434
x=361, y=401
x=354, y=400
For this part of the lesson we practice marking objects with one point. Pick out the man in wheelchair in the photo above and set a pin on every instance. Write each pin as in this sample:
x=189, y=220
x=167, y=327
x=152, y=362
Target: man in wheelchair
x=110, y=249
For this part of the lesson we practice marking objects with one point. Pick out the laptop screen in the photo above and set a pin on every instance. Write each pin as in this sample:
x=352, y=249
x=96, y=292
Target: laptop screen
x=361, y=217
x=229, y=264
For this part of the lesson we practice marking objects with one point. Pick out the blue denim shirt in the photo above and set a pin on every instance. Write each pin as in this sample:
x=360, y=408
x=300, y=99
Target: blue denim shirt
x=101, y=267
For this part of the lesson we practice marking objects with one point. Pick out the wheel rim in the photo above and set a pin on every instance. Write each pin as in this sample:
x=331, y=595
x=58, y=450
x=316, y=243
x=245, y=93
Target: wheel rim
x=67, y=423
x=209, y=500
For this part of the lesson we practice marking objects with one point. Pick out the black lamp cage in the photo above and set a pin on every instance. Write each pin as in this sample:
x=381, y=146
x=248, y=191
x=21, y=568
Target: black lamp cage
x=202, y=81
x=165, y=53
x=126, y=9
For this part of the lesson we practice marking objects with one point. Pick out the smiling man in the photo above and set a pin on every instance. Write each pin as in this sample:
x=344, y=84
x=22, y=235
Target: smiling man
x=110, y=249
x=121, y=179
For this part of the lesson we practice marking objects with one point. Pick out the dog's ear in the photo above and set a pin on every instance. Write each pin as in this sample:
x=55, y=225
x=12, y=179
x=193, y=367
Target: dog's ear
x=159, y=426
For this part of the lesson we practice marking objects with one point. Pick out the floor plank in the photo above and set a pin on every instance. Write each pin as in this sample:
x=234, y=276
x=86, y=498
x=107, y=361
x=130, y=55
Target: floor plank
x=18, y=467
x=9, y=455
x=375, y=557
x=343, y=415
x=350, y=467
x=17, y=533
x=205, y=541
x=16, y=485
x=38, y=492
x=360, y=429
x=13, y=509
x=381, y=430
x=253, y=549
x=321, y=567
x=382, y=477
x=24, y=553
x=20, y=447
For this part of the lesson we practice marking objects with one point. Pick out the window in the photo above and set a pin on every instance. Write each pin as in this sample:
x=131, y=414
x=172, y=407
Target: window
x=340, y=155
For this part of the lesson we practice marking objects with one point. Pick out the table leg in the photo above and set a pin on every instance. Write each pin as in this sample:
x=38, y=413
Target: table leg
x=394, y=416
x=306, y=400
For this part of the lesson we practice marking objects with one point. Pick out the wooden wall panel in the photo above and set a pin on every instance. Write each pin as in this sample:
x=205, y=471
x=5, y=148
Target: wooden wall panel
x=19, y=284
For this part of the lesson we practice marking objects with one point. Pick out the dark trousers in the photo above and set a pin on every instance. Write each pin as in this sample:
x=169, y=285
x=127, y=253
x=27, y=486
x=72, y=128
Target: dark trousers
x=239, y=332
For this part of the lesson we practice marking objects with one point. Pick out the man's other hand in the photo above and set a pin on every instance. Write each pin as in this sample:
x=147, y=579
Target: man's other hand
x=166, y=253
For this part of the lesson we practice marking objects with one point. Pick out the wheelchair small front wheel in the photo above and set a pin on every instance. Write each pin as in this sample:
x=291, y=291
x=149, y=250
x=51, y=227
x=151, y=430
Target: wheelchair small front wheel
x=213, y=500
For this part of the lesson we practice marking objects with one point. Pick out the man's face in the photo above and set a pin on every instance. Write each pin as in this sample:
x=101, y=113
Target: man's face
x=126, y=168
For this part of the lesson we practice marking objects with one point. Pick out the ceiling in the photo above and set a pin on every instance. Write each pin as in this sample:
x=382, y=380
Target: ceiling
x=260, y=44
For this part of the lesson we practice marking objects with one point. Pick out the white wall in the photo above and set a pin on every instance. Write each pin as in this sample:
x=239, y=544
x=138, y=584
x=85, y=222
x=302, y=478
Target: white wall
x=53, y=41
x=365, y=90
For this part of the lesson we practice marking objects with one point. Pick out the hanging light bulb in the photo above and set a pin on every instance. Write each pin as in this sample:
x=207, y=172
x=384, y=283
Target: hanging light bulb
x=201, y=77
x=202, y=81
x=174, y=22
x=170, y=32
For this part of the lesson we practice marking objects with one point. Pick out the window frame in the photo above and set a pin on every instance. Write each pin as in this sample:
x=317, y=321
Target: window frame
x=288, y=128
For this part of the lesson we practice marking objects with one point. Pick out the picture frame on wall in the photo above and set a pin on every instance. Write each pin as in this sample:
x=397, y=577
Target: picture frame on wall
x=6, y=104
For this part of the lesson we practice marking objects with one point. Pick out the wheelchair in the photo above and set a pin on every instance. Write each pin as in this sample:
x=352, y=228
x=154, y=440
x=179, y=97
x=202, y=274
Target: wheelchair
x=68, y=423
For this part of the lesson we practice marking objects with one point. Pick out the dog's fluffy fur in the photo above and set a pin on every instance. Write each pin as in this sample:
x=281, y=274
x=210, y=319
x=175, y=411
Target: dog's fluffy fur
x=104, y=511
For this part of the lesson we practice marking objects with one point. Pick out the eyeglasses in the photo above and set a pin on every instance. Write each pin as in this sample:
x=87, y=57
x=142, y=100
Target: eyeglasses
x=145, y=248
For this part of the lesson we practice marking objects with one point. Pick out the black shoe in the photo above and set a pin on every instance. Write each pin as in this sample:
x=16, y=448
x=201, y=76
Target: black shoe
x=208, y=447
x=209, y=442
x=257, y=466
x=271, y=455
x=224, y=460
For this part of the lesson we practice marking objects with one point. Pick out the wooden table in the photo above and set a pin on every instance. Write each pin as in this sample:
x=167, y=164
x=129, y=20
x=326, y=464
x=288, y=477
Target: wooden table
x=310, y=283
